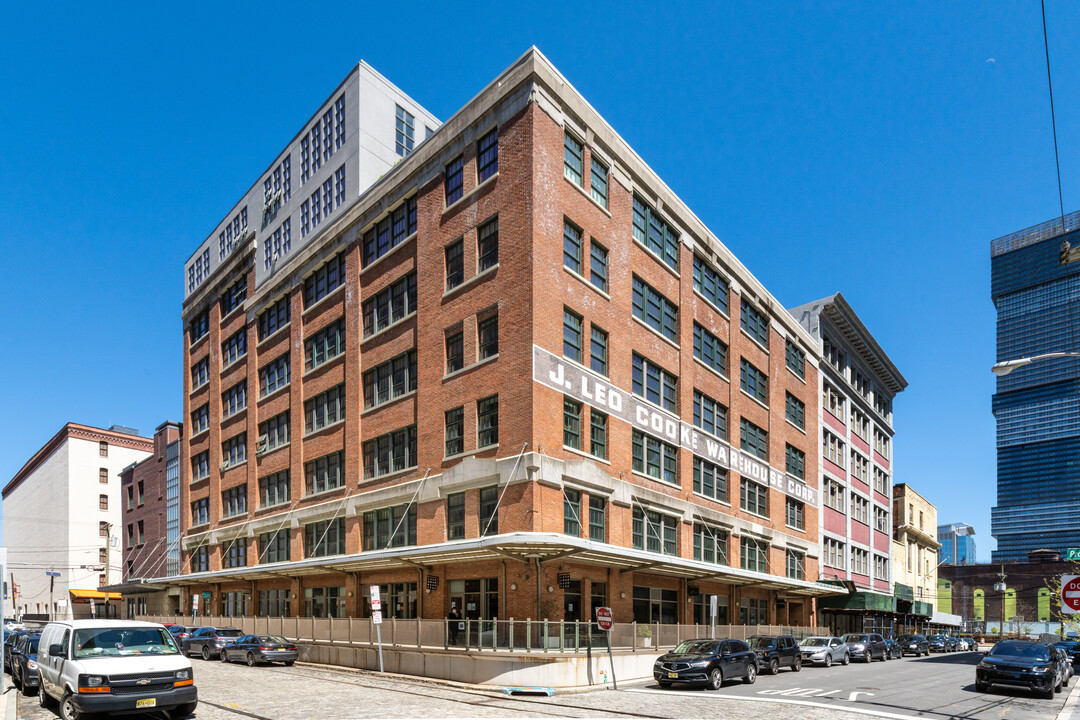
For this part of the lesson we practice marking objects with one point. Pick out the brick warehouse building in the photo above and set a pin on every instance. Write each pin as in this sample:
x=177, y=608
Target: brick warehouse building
x=361, y=411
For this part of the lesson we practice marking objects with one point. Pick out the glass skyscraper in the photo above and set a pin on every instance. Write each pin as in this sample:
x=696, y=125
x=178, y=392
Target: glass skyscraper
x=957, y=544
x=1037, y=407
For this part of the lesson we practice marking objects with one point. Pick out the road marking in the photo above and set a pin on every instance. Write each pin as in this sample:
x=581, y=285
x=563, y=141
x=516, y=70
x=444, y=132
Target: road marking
x=806, y=703
x=854, y=696
x=798, y=692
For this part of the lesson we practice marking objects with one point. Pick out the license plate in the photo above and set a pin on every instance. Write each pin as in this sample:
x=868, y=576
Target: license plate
x=673, y=675
x=148, y=702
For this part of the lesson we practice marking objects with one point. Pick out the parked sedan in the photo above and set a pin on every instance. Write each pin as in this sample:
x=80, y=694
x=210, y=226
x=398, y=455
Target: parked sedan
x=10, y=638
x=1021, y=663
x=866, y=646
x=255, y=649
x=824, y=650
x=774, y=651
x=179, y=632
x=1071, y=648
x=24, y=670
x=941, y=643
x=893, y=650
x=208, y=641
x=706, y=662
x=914, y=645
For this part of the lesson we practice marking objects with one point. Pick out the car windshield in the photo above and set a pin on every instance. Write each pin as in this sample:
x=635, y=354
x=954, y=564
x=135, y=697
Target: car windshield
x=1014, y=651
x=229, y=632
x=277, y=639
x=815, y=642
x=115, y=642
x=906, y=638
x=690, y=647
x=851, y=638
x=760, y=642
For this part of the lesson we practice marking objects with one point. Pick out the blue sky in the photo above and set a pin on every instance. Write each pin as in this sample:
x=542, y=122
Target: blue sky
x=832, y=146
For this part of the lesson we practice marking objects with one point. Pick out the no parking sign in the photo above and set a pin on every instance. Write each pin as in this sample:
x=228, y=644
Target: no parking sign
x=1070, y=594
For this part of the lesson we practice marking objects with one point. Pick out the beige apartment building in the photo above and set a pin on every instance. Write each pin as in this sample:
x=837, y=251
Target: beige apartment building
x=915, y=550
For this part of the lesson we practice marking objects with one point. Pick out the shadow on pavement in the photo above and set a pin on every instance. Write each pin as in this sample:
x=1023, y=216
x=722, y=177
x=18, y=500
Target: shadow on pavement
x=960, y=658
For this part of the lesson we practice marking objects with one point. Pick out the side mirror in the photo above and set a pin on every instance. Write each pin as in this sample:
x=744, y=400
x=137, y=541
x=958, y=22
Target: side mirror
x=725, y=652
x=56, y=650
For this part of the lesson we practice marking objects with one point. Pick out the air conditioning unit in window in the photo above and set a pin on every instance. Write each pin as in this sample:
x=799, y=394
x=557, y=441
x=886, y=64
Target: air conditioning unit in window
x=271, y=197
x=262, y=444
x=224, y=466
x=243, y=236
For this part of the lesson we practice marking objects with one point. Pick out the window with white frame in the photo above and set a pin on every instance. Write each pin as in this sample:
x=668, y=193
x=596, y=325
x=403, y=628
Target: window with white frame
x=832, y=553
x=834, y=495
x=860, y=509
x=832, y=448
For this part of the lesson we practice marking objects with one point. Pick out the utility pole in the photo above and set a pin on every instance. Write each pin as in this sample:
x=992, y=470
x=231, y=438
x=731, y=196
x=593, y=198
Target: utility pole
x=108, y=564
x=999, y=587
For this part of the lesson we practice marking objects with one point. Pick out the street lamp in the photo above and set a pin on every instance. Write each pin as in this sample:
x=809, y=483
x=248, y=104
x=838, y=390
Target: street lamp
x=1004, y=368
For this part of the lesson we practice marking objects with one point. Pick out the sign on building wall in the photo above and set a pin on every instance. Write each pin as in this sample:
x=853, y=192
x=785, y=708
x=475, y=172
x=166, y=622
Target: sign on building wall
x=980, y=605
x=595, y=391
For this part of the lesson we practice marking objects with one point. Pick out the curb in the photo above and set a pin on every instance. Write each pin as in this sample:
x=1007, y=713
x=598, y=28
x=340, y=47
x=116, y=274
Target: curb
x=8, y=708
x=1068, y=712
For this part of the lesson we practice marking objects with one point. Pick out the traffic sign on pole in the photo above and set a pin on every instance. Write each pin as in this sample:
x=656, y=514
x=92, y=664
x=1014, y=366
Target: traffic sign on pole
x=376, y=617
x=605, y=619
x=1070, y=594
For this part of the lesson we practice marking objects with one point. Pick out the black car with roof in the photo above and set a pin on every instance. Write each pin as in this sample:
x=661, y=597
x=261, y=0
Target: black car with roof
x=1021, y=663
x=255, y=649
x=707, y=662
x=10, y=638
x=776, y=651
x=24, y=669
x=1071, y=648
x=208, y=641
x=866, y=646
x=914, y=645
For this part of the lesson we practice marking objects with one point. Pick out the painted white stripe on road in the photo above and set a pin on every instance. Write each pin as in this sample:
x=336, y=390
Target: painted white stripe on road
x=807, y=703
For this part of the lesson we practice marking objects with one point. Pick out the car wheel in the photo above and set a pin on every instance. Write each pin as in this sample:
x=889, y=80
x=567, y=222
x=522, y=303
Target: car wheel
x=751, y=674
x=774, y=666
x=868, y=657
x=1057, y=688
x=44, y=699
x=828, y=659
x=15, y=680
x=846, y=660
x=981, y=687
x=68, y=711
x=251, y=659
x=205, y=652
x=224, y=655
x=663, y=683
x=716, y=679
x=798, y=664
x=1048, y=694
x=288, y=663
x=185, y=709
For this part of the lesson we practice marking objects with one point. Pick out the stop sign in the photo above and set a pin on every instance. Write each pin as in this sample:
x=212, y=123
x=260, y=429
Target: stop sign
x=1070, y=593
x=605, y=620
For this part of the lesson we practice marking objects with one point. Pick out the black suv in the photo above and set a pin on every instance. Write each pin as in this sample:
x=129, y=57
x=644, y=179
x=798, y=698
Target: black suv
x=914, y=645
x=706, y=662
x=1021, y=663
x=208, y=641
x=776, y=650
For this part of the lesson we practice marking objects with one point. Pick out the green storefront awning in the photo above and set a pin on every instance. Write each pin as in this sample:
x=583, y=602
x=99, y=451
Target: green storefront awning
x=859, y=601
x=904, y=592
x=922, y=608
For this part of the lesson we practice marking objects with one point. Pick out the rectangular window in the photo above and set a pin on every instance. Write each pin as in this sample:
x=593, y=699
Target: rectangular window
x=712, y=286
x=795, y=513
x=833, y=355
x=881, y=519
x=487, y=414
x=390, y=453
x=199, y=327
x=455, y=516
x=571, y=423
x=833, y=400
x=597, y=520
x=598, y=350
x=200, y=466
x=833, y=553
x=385, y=527
x=200, y=511
x=455, y=431
x=274, y=603
x=710, y=544
x=653, y=383
x=654, y=232
x=274, y=546
x=860, y=509
x=404, y=131
x=455, y=352
x=795, y=411
x=488, y=332
x=860, y=561
x=881, y=567
x=328, y=278
x=655, y=310
x=453, y=183
x=200, y=420
x=753, y=382
x=234, y=450
x=200, y=560
x=796, y=360
x=487, y=155
x=598, y=434
x=571, y=512
x=234, y=399
x=709, y=415
x=385, y=235
x=325, y=345
x=754, y=498
x=274, y=433
x=274, y=376
x=572, y=246
x=274, y=489
x=753, y=439
x=573, y=159
x=324, y=538
x=103, y=502
x=200, y=374
x=710, y=349
x=234, y=501
x=654, y=532
x=754, y=323
x=795, y=564
x=754, y=555
x=655, y=458
x=860, y=467
x=489, y=506
x=598, y=265
x=487, y=245
x=325, y=473
x=860, y=424
x=274, y=318
x=834, y=495
x=390, y=305
x=234, y=348
x=572, y=335
x=324, y=409
x=881, y=481
x=234, y=297
x=103, y=476
x=598, y=181
x=832, y=448
x=455, y=264
x=881, y=443
x=710, y=480
x=235, y=553
x=339, y=186
x=795, y=462
x=390, y=380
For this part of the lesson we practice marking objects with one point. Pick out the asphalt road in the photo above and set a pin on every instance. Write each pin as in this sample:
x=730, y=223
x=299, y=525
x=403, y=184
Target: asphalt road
x=938, y=687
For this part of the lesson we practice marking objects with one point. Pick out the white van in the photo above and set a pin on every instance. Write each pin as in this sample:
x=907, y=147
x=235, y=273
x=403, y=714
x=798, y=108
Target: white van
x=113, y=666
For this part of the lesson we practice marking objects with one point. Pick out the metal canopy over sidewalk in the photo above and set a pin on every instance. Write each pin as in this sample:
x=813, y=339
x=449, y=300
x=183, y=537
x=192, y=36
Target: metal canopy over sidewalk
x=524, y=547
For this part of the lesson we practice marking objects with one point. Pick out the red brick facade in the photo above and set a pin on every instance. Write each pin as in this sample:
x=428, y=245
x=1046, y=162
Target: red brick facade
x=142, y=502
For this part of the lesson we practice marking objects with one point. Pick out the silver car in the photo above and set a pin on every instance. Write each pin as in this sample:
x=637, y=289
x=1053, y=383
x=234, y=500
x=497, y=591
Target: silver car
x=823, y=650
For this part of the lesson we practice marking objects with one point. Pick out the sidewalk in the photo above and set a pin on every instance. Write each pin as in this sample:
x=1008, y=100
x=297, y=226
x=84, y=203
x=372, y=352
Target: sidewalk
x=8, y=710
x=1071, y=711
